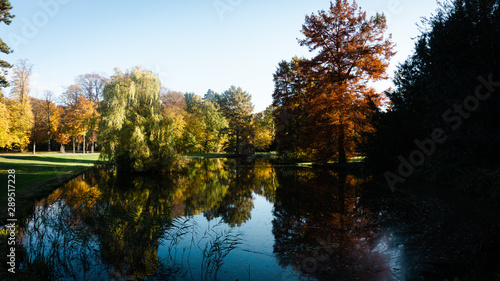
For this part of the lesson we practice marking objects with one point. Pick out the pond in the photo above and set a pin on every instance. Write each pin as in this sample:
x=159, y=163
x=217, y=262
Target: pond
x=233, y=219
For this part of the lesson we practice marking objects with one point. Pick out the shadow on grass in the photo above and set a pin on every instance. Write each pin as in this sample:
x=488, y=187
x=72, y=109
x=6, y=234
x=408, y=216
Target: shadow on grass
x=37, y=168
x=51, y=159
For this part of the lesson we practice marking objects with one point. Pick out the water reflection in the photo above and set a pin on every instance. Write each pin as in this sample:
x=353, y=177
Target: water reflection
x=105, y=225
x=322, y=230
x=219, y=219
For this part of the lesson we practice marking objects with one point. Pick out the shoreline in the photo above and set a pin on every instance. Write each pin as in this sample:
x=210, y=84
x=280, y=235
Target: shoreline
x=28, y=196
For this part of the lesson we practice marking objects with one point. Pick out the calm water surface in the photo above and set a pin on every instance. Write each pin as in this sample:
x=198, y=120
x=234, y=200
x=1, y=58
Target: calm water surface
x=223, y=219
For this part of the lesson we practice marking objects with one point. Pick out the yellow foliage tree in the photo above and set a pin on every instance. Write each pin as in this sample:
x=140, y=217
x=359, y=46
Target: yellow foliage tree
x=264, y=134
x=21, y=123
x=20, y=115
x=4, y=129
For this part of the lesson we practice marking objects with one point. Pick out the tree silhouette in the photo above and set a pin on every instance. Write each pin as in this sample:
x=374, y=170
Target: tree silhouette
x=450, y=83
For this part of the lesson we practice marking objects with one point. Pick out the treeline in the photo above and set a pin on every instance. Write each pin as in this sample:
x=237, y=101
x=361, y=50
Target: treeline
x=443, y=122
x=50, y=122
x=440, y=122
x=143, y=127
x=218, y=122
x=212, y=123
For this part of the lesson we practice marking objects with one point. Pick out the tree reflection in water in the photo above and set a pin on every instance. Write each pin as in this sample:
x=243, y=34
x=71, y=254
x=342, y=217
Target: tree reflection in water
x=105, y=225
x=321, y=229
x=109, y=226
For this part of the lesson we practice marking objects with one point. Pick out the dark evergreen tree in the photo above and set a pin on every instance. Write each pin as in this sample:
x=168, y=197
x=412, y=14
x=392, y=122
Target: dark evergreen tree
x=5, y=17
x=448, y=83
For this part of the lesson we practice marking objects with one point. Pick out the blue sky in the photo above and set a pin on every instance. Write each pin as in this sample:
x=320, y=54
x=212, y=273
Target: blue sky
x=193, y=45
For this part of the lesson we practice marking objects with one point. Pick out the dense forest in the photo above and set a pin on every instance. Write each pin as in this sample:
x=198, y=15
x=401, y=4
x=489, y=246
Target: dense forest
x=439, y=124
x=442, y=125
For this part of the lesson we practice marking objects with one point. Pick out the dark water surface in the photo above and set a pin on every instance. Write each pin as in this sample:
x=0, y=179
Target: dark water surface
x=228, y=219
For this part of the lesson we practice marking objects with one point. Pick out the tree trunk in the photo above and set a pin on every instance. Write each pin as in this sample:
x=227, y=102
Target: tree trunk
x=62, y=149
x=34, y=146
x=83, y=147
x=341, y=149
x=47, y=100
x=73, y=145
x=92, y=147
x=342, y=191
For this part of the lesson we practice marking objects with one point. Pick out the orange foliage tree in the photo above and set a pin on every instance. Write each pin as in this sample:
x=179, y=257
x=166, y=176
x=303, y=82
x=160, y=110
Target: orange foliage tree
x=63, y=135
x=350, y=51
x=77, y=121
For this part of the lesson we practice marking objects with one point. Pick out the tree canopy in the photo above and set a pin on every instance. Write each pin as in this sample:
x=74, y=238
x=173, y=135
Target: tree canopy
x=21, y=115
x=446, y=86
x=237, y=107
x=135, y=133
x=327, y=98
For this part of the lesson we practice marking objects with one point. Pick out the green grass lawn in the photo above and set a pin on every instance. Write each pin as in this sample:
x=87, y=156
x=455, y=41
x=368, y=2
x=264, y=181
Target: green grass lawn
x=32, y=169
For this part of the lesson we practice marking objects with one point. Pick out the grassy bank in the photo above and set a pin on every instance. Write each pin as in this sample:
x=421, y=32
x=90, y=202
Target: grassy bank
x=33, y=169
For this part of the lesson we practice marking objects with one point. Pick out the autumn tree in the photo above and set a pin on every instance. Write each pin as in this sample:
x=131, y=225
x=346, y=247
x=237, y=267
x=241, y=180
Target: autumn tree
x=193, y=127
x=21, y=79
x=76, y=121
x=172, y=100
x=21, y=122
x=5, y=17
x=5, y=121
x=92, y=86
x=45, y=120
x=136, y=135
x=71, y=95
x=21, y=117
x=92, y=123
x=51, y=116
x=64, y=131
x=80, y=118
x=37, y=132
x=264, y=130
x=205, y=124
x=68, y=128
x=350, y=51
x=175, y=110
x=213, y=136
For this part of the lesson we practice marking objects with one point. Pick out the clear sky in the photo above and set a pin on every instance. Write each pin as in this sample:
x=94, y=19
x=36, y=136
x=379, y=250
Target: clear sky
x=193, y=45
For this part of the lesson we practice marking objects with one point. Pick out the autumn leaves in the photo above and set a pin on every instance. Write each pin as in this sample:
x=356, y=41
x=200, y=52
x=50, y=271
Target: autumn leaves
x=324, y=105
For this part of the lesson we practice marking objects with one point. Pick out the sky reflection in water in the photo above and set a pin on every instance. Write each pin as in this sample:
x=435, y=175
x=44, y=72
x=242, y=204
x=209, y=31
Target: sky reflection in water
x=224, y=219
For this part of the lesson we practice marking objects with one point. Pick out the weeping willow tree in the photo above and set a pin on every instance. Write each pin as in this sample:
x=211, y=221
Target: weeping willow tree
x=136, y=134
